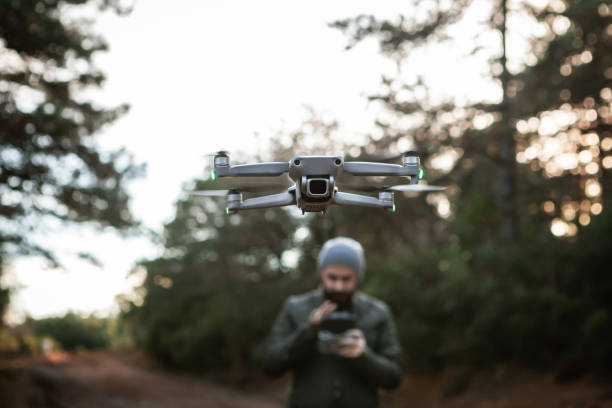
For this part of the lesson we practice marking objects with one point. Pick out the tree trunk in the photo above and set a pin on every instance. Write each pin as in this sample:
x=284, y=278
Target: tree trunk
x=507, y=148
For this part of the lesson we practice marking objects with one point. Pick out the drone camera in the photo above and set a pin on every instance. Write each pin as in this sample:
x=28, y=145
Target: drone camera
x=317, y=187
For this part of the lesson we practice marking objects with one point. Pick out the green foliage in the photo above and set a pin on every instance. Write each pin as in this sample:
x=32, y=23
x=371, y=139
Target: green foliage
x=209, y=305
x=74, y=332
x=543, y=306
x=50, y=165
x=17, y=341
x=8, y=342
x=498, y=289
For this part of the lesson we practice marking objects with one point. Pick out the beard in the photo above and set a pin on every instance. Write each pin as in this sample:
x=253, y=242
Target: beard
x=340, y=298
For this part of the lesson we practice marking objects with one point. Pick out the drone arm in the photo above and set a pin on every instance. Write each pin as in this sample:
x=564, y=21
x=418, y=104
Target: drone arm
x=253, y=170
x=360, y=200
x=380, y=169
x=268, y=201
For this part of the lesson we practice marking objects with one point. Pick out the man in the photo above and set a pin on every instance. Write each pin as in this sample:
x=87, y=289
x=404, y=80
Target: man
x=347, y=370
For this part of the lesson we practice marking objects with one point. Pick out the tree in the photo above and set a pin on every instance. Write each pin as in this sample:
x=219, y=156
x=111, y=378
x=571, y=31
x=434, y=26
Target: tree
x=548, y=81
x=512, y=189
x=210, y=298
x=50, y=165
x=563, y=118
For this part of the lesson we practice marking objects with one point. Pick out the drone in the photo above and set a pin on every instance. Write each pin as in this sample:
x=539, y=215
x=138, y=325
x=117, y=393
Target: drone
x=314, y=182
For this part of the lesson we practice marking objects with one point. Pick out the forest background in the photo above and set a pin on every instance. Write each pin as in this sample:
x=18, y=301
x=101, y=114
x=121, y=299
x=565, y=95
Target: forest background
x=507, y=265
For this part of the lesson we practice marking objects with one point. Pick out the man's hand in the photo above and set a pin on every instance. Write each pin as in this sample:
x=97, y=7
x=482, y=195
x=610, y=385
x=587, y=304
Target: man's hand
x=320, y=312
x=353, y=345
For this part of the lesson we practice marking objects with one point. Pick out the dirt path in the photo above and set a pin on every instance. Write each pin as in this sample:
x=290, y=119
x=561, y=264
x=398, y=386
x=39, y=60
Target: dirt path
x=130, y=380
x=121, y=380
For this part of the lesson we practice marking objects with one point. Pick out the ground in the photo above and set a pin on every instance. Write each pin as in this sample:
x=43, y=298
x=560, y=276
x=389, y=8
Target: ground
x=128, y=379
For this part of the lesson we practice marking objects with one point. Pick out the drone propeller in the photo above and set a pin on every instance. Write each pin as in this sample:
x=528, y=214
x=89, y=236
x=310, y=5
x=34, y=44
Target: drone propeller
x=385, y=158
x=209, y=193
x=367, y=184
x=405, y=188
x=353, y=183
x=218, y=153
x=414, y=188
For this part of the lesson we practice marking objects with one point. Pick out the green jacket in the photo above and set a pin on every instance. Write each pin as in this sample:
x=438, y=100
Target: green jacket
x=323, y=380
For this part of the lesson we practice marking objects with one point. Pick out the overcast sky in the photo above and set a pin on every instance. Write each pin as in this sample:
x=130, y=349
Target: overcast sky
x=201, y=76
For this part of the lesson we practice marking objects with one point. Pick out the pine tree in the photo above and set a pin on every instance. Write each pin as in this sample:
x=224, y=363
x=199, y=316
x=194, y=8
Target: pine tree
x=50, y=165
x=540, y=164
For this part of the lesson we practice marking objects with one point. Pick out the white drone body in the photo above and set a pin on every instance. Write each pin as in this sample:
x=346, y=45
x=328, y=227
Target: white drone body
x=317, y=181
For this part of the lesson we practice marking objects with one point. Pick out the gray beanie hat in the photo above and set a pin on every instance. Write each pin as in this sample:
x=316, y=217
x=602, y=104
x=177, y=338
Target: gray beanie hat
x=342, y=251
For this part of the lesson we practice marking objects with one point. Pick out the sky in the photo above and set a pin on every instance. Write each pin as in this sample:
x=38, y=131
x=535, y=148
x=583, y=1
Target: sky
x=202, y=76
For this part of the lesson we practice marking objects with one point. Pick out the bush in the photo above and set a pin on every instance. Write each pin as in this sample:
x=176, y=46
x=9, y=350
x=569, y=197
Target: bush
x=73, y=331
x=8, y=342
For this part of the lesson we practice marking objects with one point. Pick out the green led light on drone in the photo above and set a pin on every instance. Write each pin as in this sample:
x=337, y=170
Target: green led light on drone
x=213, y=175
x=421, y=174
x=393, y=209
x=227, y=210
